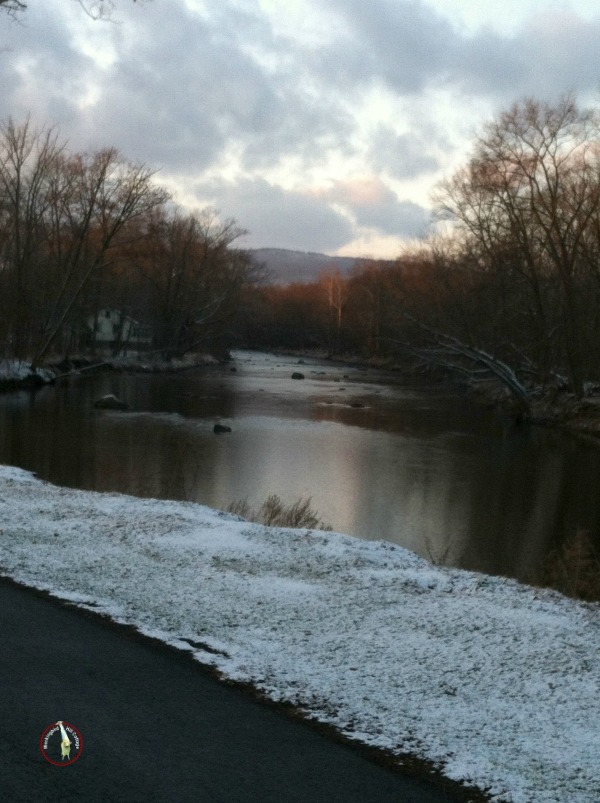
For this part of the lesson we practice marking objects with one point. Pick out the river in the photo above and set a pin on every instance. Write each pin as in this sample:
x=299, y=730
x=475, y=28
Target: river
x=381, y=456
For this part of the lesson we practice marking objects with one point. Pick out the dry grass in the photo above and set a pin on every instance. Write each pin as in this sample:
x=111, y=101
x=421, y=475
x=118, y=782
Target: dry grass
x=574, y=569
x=274, y=513
x=438, y=557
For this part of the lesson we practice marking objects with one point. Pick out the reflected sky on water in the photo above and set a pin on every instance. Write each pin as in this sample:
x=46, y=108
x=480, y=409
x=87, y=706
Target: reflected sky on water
x=381, y=456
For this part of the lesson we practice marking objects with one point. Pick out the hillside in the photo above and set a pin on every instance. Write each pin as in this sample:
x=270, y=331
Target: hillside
x=289, y=267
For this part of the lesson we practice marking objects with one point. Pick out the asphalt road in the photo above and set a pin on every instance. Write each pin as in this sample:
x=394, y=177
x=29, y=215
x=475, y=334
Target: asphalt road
x=156, y=726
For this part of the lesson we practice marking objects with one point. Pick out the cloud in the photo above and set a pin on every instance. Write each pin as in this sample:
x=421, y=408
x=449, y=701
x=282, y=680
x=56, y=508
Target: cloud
x=403, y=156
x=374, y=205
x=181, y=92
x=278, y=218
x=41, y=69
x=404, y=219
x=186, y=88
x=555, y=52
x=304, y=94
x=407, y=46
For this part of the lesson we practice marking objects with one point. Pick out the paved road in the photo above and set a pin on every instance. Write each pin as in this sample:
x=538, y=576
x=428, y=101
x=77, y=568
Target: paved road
x=156, y=726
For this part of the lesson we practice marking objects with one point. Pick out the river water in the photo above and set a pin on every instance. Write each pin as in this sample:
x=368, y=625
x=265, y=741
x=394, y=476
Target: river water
x=381, y=457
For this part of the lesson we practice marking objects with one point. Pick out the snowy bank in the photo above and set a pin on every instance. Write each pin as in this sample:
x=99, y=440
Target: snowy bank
x=15, y=374
x=495, y=682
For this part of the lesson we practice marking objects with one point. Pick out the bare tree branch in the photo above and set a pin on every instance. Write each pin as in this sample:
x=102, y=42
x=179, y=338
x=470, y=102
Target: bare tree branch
x=450, y=352
x=12, y=7
x=95, y=9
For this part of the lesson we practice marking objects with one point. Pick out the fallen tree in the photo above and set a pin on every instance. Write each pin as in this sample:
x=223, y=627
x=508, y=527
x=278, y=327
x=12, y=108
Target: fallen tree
x=473, y=363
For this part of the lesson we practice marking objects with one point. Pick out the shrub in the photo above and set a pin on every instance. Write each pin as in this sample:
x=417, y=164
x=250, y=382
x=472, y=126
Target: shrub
x=274, y=513
x=574, y=569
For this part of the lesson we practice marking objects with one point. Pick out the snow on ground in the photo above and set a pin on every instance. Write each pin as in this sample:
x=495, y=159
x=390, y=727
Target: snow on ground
x=13, y=370
x=19, y=371
x=494, y=681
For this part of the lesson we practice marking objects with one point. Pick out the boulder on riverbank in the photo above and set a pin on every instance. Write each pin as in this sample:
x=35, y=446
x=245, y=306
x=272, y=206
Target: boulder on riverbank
x=110, y=402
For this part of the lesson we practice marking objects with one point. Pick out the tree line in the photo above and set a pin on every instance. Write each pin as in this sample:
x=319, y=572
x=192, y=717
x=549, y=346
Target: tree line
x=360, y=312
x=84, y=232
x=527, y=238
x=510, y=286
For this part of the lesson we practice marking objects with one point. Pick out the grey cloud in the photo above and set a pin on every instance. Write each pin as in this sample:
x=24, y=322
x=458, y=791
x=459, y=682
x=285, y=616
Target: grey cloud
x=404, y=156
x=278, y=218
x=400, y=218
x=563, y=55
x=405, y=45
x=543, y=60
x=182, y=93
x=193, y=85
x=41, y=70
x=374, y=205
x=489, y=64
x=408, y=46
x=187, y=87
x=307, y=132
x=184, y=89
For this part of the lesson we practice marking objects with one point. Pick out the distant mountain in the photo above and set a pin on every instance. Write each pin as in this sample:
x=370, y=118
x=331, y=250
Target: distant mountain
x=290, y=267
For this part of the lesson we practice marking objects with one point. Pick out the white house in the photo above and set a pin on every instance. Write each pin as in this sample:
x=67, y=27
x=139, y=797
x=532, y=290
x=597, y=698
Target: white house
x=113, y=329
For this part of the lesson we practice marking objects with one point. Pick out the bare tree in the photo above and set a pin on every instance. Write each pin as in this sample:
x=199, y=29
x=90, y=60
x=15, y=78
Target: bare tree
x=335, y=288
x=96, y=197
x=100, y=9
x=28, y=157
x=526, y=208
x=196, y=276
x=62, y=217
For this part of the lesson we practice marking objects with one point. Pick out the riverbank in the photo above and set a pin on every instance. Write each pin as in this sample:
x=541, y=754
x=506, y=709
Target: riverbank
x=492, y=682
x=18, y=375
x=548, y=407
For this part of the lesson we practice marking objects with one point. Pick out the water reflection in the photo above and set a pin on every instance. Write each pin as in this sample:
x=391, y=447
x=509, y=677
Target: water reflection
x=415, y=464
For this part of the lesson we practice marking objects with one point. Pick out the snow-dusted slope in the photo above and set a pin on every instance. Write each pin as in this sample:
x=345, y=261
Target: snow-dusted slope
x=494, y=681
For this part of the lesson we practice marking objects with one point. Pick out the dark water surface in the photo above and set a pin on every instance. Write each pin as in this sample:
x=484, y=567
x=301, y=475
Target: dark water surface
x=381, y=457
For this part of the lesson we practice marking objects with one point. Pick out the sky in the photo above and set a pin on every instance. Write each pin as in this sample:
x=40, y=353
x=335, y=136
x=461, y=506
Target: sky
x=318, y=125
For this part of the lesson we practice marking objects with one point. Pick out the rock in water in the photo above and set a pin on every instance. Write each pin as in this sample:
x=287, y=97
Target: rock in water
x=110, y=402
x=218, y=428
x=297, y=375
